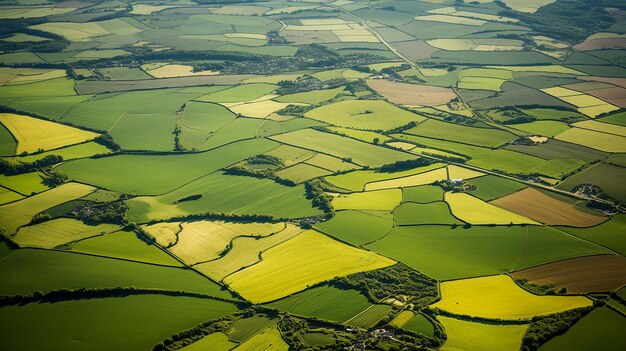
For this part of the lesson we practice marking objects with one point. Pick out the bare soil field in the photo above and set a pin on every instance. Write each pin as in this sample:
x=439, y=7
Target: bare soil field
x=411, y=94
x=580, y=275
x=542, y=208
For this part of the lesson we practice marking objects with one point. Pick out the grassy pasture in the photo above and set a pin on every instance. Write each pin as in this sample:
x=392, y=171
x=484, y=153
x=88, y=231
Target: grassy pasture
x=544, y=128
x=20, y=213
x=59, y=231
x=603, y=175
x=306, y=259
x=382, y=200
x=330, y=163
x=8, y=144
x=602, y=328
x=370, y=316
x=356, y=227
x=579, y=275
x=360, y=153
x=543, y=208
x=7, y=196
x=609, y=234
x=420, y=214
x=363, y=135
x=498, y=297
x=207, y=240
x=240, y=93
x=357, y=180
x=492, y=187
x=445, y=253
x=473, y=210
x=463, y=335
x=125, y=245
x=33, y=134
x=324, y=302
x=449, y=131
x=25, y=183
x=545, y=244
x=48, y=88
x=245, y=251
x=311, y=97
x=28, y=270
x=122, y=323
x=155, y=174
x=226, y=194
x=420, y=324
x=269, y=339
x=302, y=172
x=363, y=114
x=422, y=194
x=555, y=149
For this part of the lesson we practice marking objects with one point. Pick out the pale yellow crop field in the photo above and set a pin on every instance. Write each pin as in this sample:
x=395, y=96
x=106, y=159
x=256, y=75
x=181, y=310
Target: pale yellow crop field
x=59, y=231
x=245, y=251
x=164, y=233
x=382, y=200
x=413, y=180
x=470, y=336
x=73, y=31
x=456, y=172
x=595, y=111
x=402, y=318
x=142, y=9
x=473, y=210
x=33, y=134
x=292, y=266
x=17, y=214
x=169, y=71
x=602, y=127
x=269, y=339
x=451, y=19
x=596, y=140
x=206, y=240
x=498, y=297
x=259, y=109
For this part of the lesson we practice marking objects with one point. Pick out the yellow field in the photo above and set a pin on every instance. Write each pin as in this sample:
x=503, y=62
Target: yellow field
x=498, y=297
x=470, y=336
x=583, y=100
x=17, y=214
x=246, y=35
x=595, y=111
x=383, y=200
x=321, y=21
x=413, y=180
x=452, y=44
x=260, y=109
x=33, y=134
x=292, y=266
x=168, y=71
x=269, y=339
x=402, y=318
x=319, y=27
x=59, y=231
x=451, y=19
x=164, y=233
x=593, y=139
x=31, y=78
x=455, y=172
x=141, y=9
x=73, y=31
x=473, y=210
x=602, y=127
x=206, y=240
x=245, y=252
x=7, y=196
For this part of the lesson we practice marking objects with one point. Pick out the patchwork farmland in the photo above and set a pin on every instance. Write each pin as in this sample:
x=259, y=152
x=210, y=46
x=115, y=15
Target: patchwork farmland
x=312, y=175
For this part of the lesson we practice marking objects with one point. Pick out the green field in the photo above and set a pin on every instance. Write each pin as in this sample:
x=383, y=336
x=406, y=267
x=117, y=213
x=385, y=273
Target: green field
x=28, y=270
x=601, y=328
x=492, y=187
x=370, y=316
x=156, y=174
x=357, y=227
x=422, y=194
x=420, y=214
x=420, y=324
x=324, y=302
x=129, y=323
x=603, y=175
x=364, y=114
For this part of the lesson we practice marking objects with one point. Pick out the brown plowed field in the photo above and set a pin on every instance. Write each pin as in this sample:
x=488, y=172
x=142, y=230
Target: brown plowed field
x=580, y=275
x=542, y=208
x=411, y=94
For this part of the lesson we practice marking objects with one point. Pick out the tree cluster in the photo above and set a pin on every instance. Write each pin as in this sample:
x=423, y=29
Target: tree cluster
x=315, y=192
x=404, y=165
x=8, y=168
x=545, y=328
